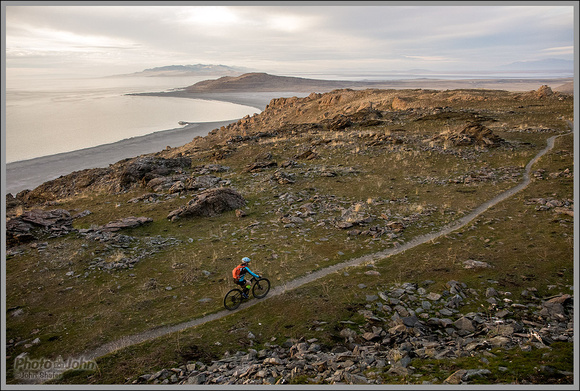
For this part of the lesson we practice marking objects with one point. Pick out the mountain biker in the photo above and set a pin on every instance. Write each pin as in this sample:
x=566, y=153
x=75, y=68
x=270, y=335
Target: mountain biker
x=239, y=275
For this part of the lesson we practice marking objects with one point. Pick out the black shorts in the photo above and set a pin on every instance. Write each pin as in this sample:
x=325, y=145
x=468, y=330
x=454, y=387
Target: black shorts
x=240, y=283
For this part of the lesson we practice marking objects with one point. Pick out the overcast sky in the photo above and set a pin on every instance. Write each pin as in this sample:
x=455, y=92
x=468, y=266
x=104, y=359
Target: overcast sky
x=270, y=37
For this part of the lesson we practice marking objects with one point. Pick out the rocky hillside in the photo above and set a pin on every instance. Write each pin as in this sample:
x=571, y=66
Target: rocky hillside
x=346, y=108
x=307, y=184
x=424, y=324
x=325, y=115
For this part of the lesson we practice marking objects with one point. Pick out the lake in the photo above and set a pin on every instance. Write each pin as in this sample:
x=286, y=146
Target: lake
x=50, y=116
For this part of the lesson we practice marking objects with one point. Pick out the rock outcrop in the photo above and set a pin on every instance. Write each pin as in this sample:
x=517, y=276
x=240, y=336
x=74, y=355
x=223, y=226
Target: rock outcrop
x=67, y=186
x=119, y=177
x=36, y=223
x=543, y=92
x=474, y=134
x=209, y=203
x=145, y=168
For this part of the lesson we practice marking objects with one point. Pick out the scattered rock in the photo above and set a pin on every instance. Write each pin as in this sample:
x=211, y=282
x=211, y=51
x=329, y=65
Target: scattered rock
x=472, y=264
x=386, y=344
x=282, y=177
x=307, y=155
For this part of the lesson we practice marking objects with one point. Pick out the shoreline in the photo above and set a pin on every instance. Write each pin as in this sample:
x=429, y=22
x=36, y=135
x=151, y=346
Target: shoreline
x=28, y=174
x=31, y=173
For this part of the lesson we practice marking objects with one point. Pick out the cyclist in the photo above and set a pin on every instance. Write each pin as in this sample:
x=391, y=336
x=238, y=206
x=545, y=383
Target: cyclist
x=239, y=275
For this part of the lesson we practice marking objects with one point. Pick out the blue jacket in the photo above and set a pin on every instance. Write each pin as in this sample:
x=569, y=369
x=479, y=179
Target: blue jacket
x=243, y=271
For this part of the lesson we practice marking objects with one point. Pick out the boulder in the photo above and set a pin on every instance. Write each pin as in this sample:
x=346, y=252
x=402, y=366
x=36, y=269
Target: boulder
x=12, y=202
x=395, y=226
x=472, y=264
x=145, y=168
x=473, y=133
x=160, y=183
x=35, y=223
x=307, y=155
x=47, y=218
x=282, y=178
x=464, y=324
x=259, y=166
x=126, y=222
x=354, y=215
x=554, y=308
x=337, y=123
x=211, y=202
x=543, y=92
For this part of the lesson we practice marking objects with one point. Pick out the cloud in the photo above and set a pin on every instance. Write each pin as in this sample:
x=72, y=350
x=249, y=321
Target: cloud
x=58, y=40
x=288, y=36
x=564, y=50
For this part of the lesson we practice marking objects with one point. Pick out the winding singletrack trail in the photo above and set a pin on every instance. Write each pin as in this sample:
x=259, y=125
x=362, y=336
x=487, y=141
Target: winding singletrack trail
x=161, y=331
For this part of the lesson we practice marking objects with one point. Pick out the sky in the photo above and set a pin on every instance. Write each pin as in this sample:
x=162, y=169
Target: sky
x=99, y=39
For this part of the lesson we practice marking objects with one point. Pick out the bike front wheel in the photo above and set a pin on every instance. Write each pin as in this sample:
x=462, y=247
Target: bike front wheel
x=261, y=288
x=233, y=299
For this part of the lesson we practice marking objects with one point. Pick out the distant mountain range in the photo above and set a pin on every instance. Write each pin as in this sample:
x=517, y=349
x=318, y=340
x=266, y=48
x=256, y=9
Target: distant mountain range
x=190, y=70
x=551, y=64
x=224, y=70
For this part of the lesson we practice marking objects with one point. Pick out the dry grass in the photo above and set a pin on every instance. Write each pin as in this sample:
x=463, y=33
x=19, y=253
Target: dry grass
x=104, y=306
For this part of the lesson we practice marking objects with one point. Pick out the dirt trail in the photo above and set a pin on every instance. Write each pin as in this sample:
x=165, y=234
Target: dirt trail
x=161, y=331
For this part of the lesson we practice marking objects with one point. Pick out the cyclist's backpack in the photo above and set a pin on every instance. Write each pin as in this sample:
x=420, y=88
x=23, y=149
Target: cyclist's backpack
x=237, y=272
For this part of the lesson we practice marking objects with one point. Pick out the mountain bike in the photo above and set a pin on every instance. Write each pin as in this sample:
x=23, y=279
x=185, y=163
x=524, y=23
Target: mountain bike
x=259, y=287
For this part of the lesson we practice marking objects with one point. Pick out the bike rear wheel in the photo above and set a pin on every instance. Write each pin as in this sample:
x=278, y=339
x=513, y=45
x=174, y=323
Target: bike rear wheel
x=233, y=299
x=261, y=288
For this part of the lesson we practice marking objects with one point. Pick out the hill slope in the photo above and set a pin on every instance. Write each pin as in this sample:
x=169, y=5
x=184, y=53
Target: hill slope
x=266, y=82
x=309, y=183
x=263, y=82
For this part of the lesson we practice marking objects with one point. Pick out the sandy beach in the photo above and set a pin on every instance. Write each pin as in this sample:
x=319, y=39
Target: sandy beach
x=31, y=173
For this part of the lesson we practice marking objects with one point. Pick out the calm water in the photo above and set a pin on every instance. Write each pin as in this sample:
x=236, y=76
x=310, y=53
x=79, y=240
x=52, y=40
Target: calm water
x=46, y=117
